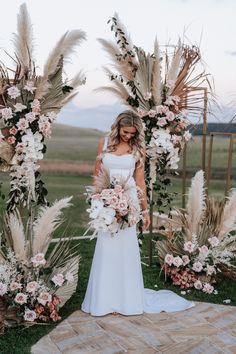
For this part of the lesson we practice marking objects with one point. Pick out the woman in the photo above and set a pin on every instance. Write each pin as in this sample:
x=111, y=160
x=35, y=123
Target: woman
x=116, y=283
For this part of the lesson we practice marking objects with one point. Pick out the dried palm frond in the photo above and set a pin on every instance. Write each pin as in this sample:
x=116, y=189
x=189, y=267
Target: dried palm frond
x=47, y=222
x=23, y=40
x=156, y=86
x=63, y=49
x=102, y=180
x=65, y=291
x=173, y=71
x=196, y=203
x=16, y=228
x=228, y=220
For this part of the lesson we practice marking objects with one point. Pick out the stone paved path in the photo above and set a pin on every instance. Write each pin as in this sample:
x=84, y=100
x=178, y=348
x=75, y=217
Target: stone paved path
x=203, y=329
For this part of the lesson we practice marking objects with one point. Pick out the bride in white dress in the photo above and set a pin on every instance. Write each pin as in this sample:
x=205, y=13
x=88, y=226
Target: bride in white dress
x=116, y=282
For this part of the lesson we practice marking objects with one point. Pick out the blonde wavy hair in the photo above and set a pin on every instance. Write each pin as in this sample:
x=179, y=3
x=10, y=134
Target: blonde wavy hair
x=137, y=143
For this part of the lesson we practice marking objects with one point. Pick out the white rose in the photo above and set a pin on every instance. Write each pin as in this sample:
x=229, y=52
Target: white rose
x=44, y=297
x=197, y=266
x=21, y=298
x=177, y=261
x=169, y=259
x=13, y=92
x=30, y=316
x=58, y=279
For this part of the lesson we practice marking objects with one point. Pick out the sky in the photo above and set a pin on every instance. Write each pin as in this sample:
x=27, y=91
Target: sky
x=210, y=23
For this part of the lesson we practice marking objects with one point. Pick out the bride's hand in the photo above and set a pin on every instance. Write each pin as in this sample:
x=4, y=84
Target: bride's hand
x=146, y=221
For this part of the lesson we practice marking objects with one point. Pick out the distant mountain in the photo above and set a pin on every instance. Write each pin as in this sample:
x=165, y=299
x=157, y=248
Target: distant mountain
x=101, y=117
x=213, y=127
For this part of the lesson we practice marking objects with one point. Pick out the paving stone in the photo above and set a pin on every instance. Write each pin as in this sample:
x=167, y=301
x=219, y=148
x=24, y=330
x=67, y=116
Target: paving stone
x=204, y=329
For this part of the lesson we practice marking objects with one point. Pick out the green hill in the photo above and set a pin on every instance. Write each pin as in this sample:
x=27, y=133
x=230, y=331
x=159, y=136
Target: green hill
x=73, y=143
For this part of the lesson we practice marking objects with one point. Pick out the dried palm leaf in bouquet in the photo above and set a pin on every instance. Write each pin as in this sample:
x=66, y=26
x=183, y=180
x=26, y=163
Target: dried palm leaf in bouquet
x=162, y=88
x=30, y=103
x=203, y=241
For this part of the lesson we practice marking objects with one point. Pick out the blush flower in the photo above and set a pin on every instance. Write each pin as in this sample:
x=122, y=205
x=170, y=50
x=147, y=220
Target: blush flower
x=13, y=130
x=185, y=259
x=198, y=285
x=208, y=288
x=30, y=117
x=44, y=297
x=22, y=124
x=214, y=241
x=21, y=298
x=70, y=277
x=189, y=246
x=13, y=92
x=169, y=259
x=177, y=261
x=38, y=260
x=58, y=279
x=15, y=286
x=30, y=86
x=6, y=113
x=32, y=286
x=29, y=316
x=19, y=107
x=197, y=266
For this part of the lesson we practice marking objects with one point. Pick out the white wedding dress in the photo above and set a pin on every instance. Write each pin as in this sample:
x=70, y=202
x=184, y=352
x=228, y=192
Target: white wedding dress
x=116, y=280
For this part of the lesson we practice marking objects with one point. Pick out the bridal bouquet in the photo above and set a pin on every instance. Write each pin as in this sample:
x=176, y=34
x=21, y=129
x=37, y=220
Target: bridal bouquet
x=112, y=207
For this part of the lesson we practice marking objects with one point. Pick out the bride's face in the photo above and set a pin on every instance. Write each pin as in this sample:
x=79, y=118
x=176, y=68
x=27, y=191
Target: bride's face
x=127, y=133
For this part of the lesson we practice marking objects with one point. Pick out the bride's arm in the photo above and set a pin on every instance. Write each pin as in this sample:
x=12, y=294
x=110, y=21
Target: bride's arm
x=98, y=161
x=140, y=181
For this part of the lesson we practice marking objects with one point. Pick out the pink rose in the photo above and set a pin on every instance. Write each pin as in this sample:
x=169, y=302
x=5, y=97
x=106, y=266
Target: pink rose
x=38, y=260
x=13, y=130
x=169, y=259
x=15, y=286
x=197, y=266
x=44, y=297
x=30, y=117
x=189, y=246
x=32, y=286
x=170, y=116
x=161, y=122
x=30, y=316
x=21, y=298
x=185, y=259
x=208, y=288
x=11, y=140
x=198, y=285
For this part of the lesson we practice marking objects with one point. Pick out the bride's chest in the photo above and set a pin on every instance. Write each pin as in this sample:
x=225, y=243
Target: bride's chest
x=111, y=161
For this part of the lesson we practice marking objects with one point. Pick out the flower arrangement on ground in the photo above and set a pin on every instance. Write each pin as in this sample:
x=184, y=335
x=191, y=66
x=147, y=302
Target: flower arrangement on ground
x=35, y=281
x=160, y=88
x=201, y=243
x=29, y=105
x=113, y=206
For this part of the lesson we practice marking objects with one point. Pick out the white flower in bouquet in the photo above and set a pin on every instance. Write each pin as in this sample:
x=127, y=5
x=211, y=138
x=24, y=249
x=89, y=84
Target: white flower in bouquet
x=30, y=117
x=30, y=86
x=38, y=260
x=208, y=288
x=198, y=285
x=6, y=113
x=187, y=135
x=147, y=96
x=170, y=116
x=69, y=277
x=21, y=298
x=35, y=105
x=22, y=124
x=32, y=286
x=13, y=92
x=189, y=246
x=30, y=316
x=107, y=214
x=169, y=259
x=3, y=289
x=44, y=297
x=15, y=286
x=114, y=227
x=203, y=251
x=185, y=259
x=51, y=116
x=19, y=107
x=197, y=266
x=177, y=261
x=214, y=241
x=161, y=122
x=96, y=207
x=152, y=113
x=58, y=279
x=210, y=270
